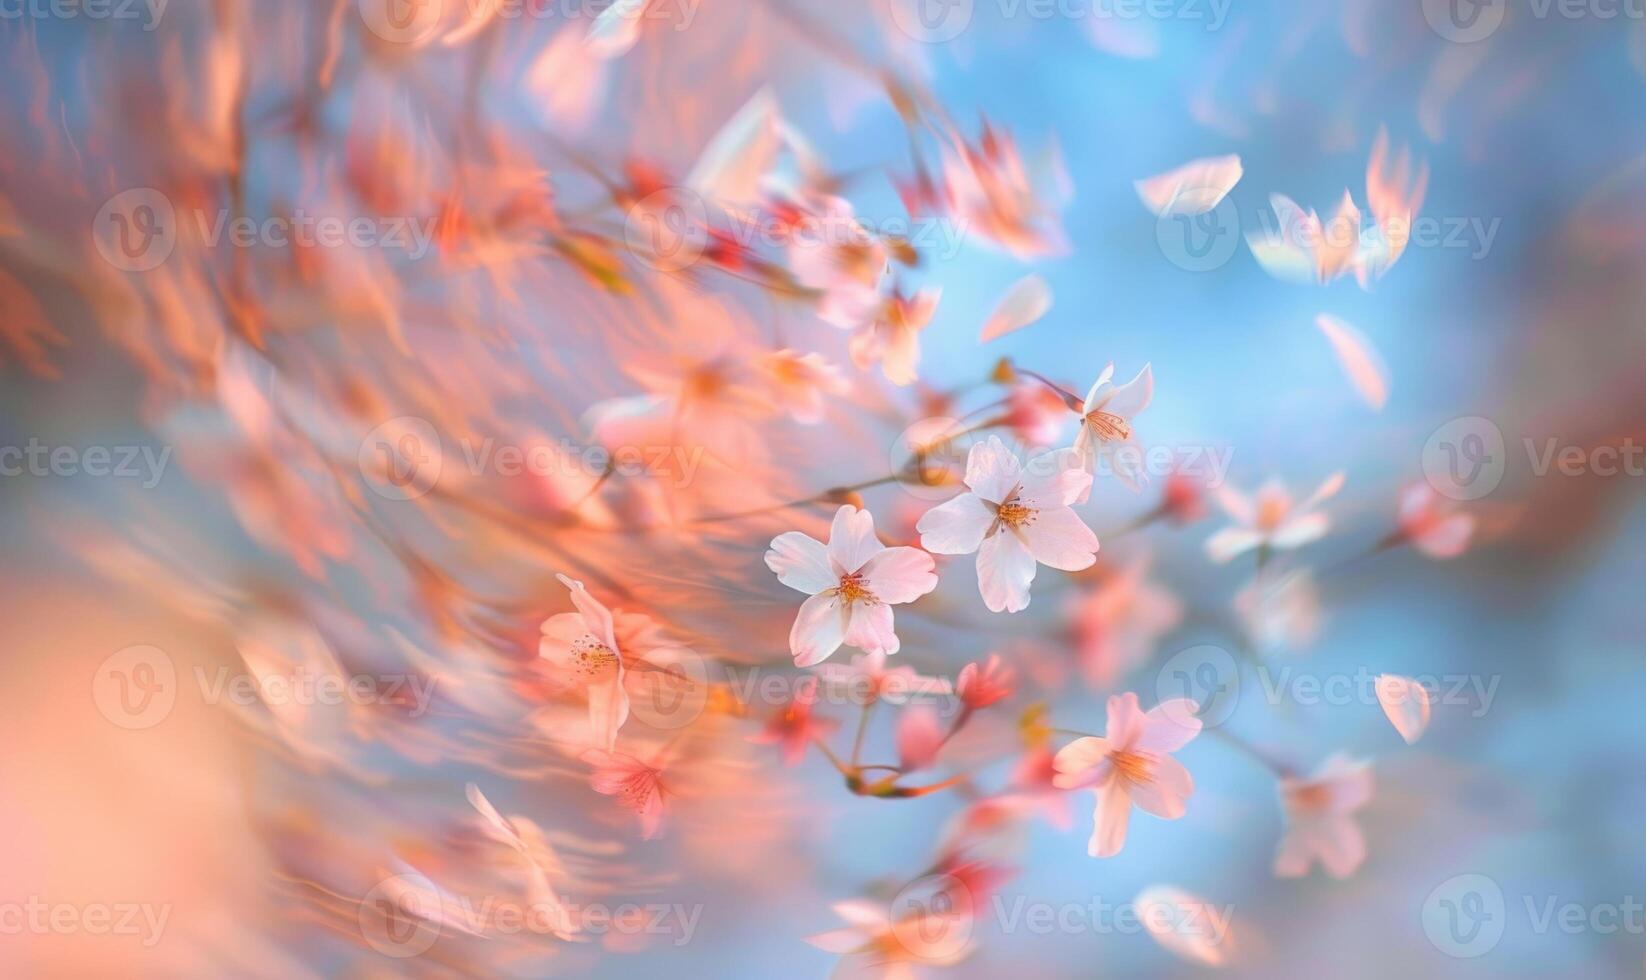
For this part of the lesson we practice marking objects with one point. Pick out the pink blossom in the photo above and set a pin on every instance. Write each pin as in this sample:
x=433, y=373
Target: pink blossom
x=1428, y=522
x=985, y=683
x=853, y=582
x=798, y=382
x=919, y=737
x=1117, y=623
x=1014, y=517
x=867, y=679
x=584, y=645
x=1131, y=764
x=794, y=727
x=1106, y=426
x=1318, y=821
x=638, y=786
x=1273, y=521
x=891, y=337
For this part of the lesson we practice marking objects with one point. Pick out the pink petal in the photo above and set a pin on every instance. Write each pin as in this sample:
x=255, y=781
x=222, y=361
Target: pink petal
x=1184, y=924
x=1005, y=569
x=1169, y=726
x=869, y=628
x=1054, y=479
x=956, y=527
x=1125, y=721
x=1194, y=188
x=1026, y=301
x=1166, y=792
x=1060, y=539
x=1081, y=763
x=1406, y=703
x=1446, y=538
x=1230, y=543
x=801, y=562
x=1301, y=530
x=900, y=574
x=1360, y=361
x=608, y=708
x=1109, y=820
x=818, y=630
x=738, y=157
x=919, y=737
x=852, y=541
x=992, y=470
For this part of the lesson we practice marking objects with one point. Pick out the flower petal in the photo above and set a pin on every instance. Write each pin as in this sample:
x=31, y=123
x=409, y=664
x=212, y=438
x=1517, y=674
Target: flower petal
x=1230, y=543
x=1167, y=789
x=992, y=470
x=956, y=527
x=1055, y=479
x=852, y=541
x=1059, y=539
x=1406, y=703
x=818, y=630
x=869, y=628
x=801, y=562
x=1109, y=820
x=1005, y=569
x=900, y=574
x=1130, y=399
x=1170, y=725
x=1083, y=762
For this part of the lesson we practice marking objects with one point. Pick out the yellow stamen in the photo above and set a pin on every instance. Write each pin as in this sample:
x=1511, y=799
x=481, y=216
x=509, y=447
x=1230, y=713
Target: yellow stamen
x=1133, y=767
x=853, y=590
x=1108, y=426
x=1014, y=514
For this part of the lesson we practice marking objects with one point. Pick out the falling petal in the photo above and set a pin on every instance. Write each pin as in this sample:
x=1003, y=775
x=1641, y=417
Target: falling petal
x=1360, y=361
x=1406, y=702
x=1026, y=301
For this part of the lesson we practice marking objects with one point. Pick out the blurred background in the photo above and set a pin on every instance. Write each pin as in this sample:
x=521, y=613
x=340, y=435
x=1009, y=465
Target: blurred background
x=216, y=513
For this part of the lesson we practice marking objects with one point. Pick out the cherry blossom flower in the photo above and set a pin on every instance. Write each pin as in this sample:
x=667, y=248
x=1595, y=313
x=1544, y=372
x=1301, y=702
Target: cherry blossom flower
x=584, y=644
x=877, y=945
x=1184, y=498
x=1131, y=764
x=853, y=582
x=1282, y=614
x=1117, y=623
x=1035, y=413
x=985, y=683
x=1428, y=523
x=919, y=737
x=638, y=786
x=1406, y=704
x=798, y=382
x=867, y=679
x=997, y=198
x=1014, y=517
x=1106, y=425
x=1273, y=521
x=794, y=727
x=1318, y=822
x=830, y=251
x=891, y=337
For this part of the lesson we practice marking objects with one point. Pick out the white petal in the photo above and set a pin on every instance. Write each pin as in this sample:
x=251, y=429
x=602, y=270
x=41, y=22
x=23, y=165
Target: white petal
x=956, y=527
x=1059, y=539
x=1005, y=569
x=818, y=630
x=1231, y=542
x=869, y=628
x=900, y=575
x=1054, y=479
x=801, y=562
x=852, y=541
x=1131, y=398
x=1028, y=300
x=1194, y=188
x=992, y=470
x=1406, y=703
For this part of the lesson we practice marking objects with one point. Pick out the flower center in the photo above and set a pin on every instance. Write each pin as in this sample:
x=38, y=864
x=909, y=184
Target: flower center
x=1271, y=512
x=1133, y=767
x=1014, y=514
x=592, y=656
x=1310, y=796
x=853, y=590
x=1108, y=426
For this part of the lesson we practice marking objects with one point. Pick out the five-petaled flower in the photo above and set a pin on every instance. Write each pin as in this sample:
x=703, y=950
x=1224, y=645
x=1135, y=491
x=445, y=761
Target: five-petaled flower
x=636, y=783
x=1014, y=517
x=1106, y=426
x=1273, y=521
x=794, y=727
x=853, y=582
x=1318, y=821
x=584, y=645
x=1130, y=764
